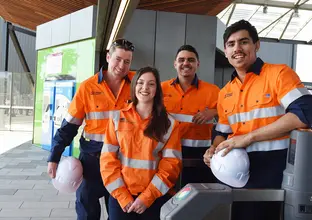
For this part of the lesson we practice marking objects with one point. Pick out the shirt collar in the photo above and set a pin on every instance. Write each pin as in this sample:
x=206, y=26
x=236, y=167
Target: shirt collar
x=101, y=77
x=194, y=82
x=254, y=68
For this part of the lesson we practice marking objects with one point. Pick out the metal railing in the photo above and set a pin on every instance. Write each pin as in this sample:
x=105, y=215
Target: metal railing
x=16, y=102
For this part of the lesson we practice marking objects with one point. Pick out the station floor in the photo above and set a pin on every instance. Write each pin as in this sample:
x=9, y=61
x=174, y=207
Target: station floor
x=26, y=192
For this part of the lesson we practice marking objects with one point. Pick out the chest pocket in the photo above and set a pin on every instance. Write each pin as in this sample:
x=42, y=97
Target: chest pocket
x=228, y=107
x=264, y=99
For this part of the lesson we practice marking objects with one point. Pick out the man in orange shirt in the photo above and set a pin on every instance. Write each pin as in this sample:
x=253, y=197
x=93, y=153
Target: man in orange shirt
x=258, y=108
x=193, y=103
x=95, y=101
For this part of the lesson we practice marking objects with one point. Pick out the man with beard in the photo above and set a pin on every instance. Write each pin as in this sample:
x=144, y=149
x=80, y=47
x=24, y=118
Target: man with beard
x=193, y=103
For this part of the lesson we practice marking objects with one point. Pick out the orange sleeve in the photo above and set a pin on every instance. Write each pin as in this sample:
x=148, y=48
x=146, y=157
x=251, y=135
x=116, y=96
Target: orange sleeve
x=223, y=123
x=110, y=167
x=169, y=169
x=289, y=87
x=213, y=99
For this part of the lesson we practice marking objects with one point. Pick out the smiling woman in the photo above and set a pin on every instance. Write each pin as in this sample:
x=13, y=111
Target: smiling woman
x=141, y=156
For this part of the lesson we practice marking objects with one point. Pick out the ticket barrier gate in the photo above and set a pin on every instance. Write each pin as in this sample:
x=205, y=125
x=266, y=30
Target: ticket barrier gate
x=208, y=201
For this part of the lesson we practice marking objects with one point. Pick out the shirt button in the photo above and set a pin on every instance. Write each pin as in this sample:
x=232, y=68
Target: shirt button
x=243, y=123
x=181, y=108
x=183, y=96
x=241, y=90
x=115, y=105
x=242, y=106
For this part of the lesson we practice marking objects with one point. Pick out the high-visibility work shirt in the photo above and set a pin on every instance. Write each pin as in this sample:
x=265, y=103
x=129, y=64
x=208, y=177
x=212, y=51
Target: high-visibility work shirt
x=93, y=103
x=263, y=97
x=184, y=105
x=133, y=164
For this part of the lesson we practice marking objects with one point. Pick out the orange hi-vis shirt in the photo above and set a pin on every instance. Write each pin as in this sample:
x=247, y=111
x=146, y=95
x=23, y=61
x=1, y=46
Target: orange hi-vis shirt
x=263, y=97
x=133, y=164
x=184, y=105
x=94, y=102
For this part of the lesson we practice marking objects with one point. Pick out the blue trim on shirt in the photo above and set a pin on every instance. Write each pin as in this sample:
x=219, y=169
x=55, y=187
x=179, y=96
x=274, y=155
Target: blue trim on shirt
x=194, y=81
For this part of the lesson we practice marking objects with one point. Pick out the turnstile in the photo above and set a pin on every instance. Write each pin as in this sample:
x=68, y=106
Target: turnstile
x=213, y=201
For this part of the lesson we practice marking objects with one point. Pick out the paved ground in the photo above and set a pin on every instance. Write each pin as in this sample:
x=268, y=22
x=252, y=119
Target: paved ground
x=26, y=192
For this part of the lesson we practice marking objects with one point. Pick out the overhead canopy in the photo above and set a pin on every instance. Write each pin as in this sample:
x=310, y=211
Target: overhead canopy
x=278, y=19
x=32, y=13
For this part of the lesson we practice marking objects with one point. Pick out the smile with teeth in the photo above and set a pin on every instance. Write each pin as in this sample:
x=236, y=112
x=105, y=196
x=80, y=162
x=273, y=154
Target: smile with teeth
x=238, y=56
x=144, y=93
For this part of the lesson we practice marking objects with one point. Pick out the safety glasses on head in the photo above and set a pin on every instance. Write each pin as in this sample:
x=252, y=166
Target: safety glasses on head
x=124, y=44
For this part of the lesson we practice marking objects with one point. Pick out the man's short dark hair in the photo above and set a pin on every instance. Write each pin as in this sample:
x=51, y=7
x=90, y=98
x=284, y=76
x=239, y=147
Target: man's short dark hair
x=238, y=26
x=188, y=48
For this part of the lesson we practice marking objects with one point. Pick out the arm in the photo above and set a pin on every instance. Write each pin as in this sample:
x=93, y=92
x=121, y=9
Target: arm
x=110, y=168
x=290, y=94
x=211, y=107
x=169, y=169
x=69, y=128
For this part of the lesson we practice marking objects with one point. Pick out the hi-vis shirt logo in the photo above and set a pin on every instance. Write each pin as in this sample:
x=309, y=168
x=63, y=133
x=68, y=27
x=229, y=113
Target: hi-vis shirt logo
x=96, y=93
x=167, y=95
x=227, y=95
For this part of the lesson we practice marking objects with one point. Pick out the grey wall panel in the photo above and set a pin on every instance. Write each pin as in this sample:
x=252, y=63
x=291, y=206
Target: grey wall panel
x=44, y=36
x=201, y=33
x=82, y=24
x=141, y=32
x=170, y=35
x=276, y=53
x=61, y=30
x=27, y=44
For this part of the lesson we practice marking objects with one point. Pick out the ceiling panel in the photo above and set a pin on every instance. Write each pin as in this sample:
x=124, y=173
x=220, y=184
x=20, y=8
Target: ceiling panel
x=31, y=13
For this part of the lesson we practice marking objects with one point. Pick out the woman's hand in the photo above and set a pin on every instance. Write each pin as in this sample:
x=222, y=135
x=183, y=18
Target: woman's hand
x=137, y=206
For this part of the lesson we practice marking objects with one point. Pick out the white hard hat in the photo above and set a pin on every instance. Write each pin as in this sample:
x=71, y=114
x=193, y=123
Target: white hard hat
x=68, y=175
x=233, y=168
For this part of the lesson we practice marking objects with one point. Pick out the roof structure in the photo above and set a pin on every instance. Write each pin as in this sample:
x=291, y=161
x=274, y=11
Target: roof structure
x=280, y=20
x=31, y=13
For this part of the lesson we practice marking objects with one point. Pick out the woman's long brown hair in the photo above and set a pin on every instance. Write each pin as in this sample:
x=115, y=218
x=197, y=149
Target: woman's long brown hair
x=159, y=123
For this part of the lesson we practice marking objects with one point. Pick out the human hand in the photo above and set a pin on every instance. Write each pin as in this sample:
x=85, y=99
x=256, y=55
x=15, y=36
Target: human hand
x=52, y=169
x=240, y=141
x=208, y=155
x=137, y=206
x=126, y=208
x=204, y=116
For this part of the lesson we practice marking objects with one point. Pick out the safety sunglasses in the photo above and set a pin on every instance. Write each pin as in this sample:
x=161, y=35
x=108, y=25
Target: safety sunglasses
x=127, y=45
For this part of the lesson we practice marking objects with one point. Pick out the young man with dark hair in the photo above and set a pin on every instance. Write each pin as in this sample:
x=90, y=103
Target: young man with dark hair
x=94, y=102
x=257, y=109
x=193, y=102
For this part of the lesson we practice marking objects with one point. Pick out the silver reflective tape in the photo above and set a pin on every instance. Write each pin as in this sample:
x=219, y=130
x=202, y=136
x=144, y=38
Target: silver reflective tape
x=224, y=128
x=157, y=149
x=256, y=114
x=269, y=145
x=186, y=118
x=100, y=115
x=195, y=143
x=138, y=164
x=115, y=185
x=293, y=95
x=160, y=185
x=70, y=119
x=170, y=153
x=109, y=148
x=94, y=137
